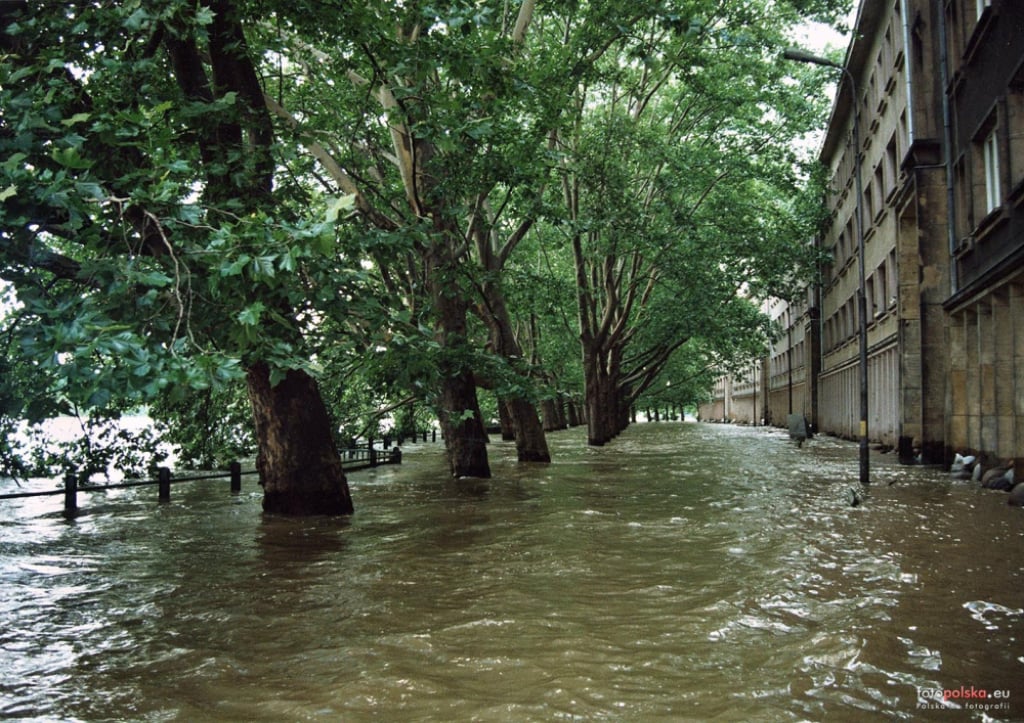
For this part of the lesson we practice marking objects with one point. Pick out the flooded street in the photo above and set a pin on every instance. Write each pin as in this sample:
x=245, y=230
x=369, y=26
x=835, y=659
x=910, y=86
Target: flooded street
x=683, y=572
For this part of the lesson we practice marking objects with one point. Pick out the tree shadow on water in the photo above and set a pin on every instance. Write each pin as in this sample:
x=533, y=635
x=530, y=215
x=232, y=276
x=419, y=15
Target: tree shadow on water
x=284, y=543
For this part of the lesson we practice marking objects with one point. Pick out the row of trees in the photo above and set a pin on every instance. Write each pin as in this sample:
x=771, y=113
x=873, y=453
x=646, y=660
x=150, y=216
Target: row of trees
x=394, y=203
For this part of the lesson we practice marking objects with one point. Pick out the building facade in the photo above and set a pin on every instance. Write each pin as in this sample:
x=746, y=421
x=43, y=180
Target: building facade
x=938, y=93
x=985, y=94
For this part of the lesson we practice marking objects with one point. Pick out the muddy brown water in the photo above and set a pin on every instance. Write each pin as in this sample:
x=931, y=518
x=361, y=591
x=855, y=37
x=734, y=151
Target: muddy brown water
x=683, y=572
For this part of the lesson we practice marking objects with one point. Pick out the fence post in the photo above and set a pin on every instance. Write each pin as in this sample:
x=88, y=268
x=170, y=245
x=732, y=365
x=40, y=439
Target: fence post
x=236, y=477
x=70, y=494
x=373, y=452
x=433, y=435
x=164, y=479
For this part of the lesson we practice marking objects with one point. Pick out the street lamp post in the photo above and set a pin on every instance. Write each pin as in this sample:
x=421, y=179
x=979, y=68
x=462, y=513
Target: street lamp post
x=862, y=302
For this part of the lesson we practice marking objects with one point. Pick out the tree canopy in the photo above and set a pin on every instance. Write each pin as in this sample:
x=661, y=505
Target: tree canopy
x=391, y=204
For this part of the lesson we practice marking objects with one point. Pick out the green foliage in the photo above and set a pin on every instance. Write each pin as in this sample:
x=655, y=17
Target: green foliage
x=413, y=144
x=89, y=447
x=209, y=428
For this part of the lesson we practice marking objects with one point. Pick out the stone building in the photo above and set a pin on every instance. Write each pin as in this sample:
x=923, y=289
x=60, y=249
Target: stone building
x=738, y=398
x=984, y=401
x=939, y=87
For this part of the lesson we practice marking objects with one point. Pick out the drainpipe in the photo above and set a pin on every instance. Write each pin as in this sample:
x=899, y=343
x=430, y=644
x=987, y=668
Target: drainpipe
x=789, y=358
x=908, y=68
x=947, y=142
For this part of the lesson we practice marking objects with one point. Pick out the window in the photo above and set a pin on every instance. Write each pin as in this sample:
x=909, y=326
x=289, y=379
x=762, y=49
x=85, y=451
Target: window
x=982, y=5
x=990, y=155
x=880, y=291
x=891, y=165
x=880, y=189
x=893, y=284
x=1015, y=124
x=964, y=194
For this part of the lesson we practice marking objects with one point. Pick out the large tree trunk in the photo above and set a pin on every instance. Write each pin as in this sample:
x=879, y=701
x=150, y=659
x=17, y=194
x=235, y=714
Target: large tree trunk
x=508, y=430
x=607, y=404
x=298, y=462
x=462, y=426
x=459, y=413
x=552, y=414
x=531, y=444
x=593, y=392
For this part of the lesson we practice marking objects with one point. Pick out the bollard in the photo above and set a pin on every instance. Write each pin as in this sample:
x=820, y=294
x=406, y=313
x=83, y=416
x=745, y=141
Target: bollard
x=373, y=453
x=433, y=435
x=236, y=477
x=70, y=494
x=164, y=480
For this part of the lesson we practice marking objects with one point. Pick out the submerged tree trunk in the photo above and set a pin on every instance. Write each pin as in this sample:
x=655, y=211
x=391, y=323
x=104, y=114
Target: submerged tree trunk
x=531, y=444
x=552, y=414
x=462, y=426
x=459, y=413
x=573, y=412
x=298, y=461
x=607, y=403
x=508, y=430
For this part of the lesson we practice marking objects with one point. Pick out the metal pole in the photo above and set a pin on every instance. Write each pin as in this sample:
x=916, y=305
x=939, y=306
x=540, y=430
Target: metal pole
x=70, y=494
x=753, y=379
x=164, y=486
x=236, y=477
x=789, y=356
x=862, y=302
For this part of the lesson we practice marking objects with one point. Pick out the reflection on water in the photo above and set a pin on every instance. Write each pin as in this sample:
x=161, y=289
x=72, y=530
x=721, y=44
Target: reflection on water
x=683, y=572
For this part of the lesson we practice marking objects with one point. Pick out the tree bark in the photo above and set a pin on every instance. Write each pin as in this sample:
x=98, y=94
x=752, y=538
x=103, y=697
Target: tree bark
x=459, y=412
x=550, y=414
x=465, y=438
x=508, y=431
x=298, y=461
x=531, y=444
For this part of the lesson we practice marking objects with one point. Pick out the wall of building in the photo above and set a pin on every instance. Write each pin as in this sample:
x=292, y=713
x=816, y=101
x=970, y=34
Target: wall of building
x=984, y=403
x=940, y=97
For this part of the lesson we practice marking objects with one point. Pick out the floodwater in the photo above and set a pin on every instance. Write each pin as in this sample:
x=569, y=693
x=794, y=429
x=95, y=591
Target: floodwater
x=683, y=572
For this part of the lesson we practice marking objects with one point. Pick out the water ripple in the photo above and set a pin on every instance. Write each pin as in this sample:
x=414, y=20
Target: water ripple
x=693, y=572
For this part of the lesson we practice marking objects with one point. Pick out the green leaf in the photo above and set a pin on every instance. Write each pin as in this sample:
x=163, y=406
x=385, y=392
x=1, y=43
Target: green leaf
x=69, y=158
x=76, y=118
x=8, y=192
x=204, y=16
x=90, y=190
x=339, y=205
x=264, y=266
x=250, y=315
x=236, y=266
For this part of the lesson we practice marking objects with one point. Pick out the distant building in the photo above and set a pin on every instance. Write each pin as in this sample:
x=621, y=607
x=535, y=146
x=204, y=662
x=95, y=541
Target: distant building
x=940, y=97
x=742, y=396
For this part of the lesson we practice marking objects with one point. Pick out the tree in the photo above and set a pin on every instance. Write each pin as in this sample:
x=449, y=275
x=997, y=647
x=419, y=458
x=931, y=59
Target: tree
x=285, y=194
x=150, y=242
x=671, y=188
